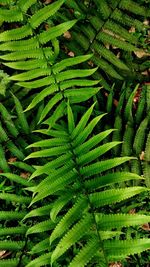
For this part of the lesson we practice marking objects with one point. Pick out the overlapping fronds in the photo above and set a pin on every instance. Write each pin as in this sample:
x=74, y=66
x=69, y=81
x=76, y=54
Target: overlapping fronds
x=36, y=56
x=104, y=28
x=78, y=178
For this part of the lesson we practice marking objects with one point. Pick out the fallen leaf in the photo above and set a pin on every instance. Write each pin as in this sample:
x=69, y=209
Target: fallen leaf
x=11, y=160
x=142, y=155
x=67, y=35
x=132, y=211
x=141, y=53
x=25, y=175
x=71, y=54
x=146, y=227
x=2, y=253
x=115, y=264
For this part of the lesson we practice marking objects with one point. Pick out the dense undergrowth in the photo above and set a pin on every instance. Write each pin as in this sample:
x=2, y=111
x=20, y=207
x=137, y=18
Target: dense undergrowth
x=74, y=133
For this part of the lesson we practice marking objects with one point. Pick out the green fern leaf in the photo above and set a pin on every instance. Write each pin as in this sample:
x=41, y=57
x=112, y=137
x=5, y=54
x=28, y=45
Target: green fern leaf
x=54, y=100
x=70, y=217
x=43, y=14
x=41, y=246
x=55, y=31
x=16, y=34
x=50, y=142
x=26, y=65
x=41, y=227
x=11, y=245
x=42, y=260
x=47, y=91
x=11, y=215
x=92, y=142
x=114, y=195
x=59, y=204
x=31, y=74
x=20, y=45
x=134, y=7
x=59, y=112
x=58, y=67
x=13, y=230
x=59, y=183
x=77, y=82
x=38, y=212
x=110, y=178
x=24, y=5
x=107, y=222
x=71, y=237
x=101, y=166
x=15, y=198
x=70, y=74
x=11, y=15
x=16, y=178
x=9, y=262
x=95, y=153
x=49, y=152
x=85, y=254
x=119, y=249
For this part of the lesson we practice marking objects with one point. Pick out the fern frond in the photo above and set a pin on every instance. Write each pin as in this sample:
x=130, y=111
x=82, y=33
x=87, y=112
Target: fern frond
x=119, y=249
x=11, y=15
x=110, y=178
x=71, y=216
x=16, y=178
x=41, y=227
x=101, y=166
x=41, y=246
x=9, y=262
x=59, y=204
x=15, y=198
x=42, y=260
x=134, y=7
x=85, y=254
x=11, y=245
x=24, y=5
x=38, y=212
x=71, y=237
x=12, y=215
x=13, y=230
x=44, y=13
x=146, y=165
x=114, y=195
x=107, y=222
x=15, y=34
x=71, y=180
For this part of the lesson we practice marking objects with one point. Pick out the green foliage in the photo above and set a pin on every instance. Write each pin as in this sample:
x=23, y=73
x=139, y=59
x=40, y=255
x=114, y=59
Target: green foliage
x=68, y=204
x=103, y=28
x=73, y=183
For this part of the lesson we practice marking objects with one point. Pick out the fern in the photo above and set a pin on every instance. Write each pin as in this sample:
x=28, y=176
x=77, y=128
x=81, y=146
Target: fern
x=73, y=180
x=103, y=24
x=60, y=84
x=83, y=222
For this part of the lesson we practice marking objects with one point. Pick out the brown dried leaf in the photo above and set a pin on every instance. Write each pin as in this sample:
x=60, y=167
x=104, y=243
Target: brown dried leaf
x=90, y=63
x=146, y=227
x=132, y=211
x=115, y=264
x=13, y=159
x=132, y=29
x=48, y=2
x=71, y=54
x=2, y=253
x=25, y=175
x=141, y=53
x=67, y=35
x=142, y=155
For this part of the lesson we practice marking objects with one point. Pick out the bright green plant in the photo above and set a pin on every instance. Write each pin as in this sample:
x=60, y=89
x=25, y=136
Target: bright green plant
x=71, y=218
